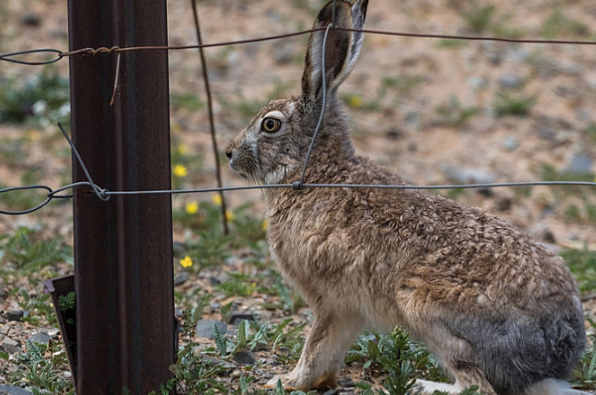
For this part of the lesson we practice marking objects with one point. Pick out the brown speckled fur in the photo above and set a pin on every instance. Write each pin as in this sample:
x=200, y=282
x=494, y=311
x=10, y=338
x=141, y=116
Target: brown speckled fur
x=499, y=309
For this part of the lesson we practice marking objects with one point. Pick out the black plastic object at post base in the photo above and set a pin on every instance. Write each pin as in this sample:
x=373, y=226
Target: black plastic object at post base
x=123, y=246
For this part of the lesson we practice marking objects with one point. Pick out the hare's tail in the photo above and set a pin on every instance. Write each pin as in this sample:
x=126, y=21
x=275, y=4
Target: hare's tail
x=554, y=387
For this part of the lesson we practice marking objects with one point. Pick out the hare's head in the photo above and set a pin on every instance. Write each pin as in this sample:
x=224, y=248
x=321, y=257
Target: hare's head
x=273, y=147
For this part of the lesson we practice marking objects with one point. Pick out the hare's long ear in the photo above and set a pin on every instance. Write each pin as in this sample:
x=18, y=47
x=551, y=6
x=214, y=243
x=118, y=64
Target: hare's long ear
x=343, y=47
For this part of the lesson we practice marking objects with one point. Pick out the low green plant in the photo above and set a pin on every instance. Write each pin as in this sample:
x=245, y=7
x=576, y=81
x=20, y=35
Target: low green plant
x=590, y=130
x=186, y=101
x=516, y=104
x=557, y=25
x=479, y=18
x=43, y=374
x=483, y=18
x=454, y=114
x=43, y=99
x=39, y=307
x=26, y=252
x=582, y=264
x=584, y=376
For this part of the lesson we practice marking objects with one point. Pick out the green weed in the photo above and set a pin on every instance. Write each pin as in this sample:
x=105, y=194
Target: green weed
x=43, y=374
x=518, y=104
x=43, y=99
x=559, y=25
x=25, y=252
x=186, y=101
x=453, y=114
x=582, y=264
x=483, y=18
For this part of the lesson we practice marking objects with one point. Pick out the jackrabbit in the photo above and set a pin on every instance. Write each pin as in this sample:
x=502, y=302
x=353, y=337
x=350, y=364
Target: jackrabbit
x=498, y=309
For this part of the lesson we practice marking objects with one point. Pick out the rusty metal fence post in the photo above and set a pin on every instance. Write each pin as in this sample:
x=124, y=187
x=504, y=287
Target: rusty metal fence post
x=123, y=247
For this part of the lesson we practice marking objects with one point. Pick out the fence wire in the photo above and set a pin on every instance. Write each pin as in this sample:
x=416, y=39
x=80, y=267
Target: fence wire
x=13, y=57
x=105, y=194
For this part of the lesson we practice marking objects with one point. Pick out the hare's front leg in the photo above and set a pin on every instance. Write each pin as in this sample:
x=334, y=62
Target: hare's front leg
x=323, y=353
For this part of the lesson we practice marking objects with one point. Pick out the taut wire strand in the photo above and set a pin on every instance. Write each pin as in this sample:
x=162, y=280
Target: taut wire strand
x=223, y=206
x=8, y=57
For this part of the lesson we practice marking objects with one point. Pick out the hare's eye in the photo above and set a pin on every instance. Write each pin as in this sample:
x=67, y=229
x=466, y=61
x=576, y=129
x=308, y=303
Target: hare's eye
x=271, y=125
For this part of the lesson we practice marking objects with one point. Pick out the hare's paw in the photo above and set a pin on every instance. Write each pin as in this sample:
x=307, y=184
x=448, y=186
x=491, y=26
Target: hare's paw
x=287, y=381
x=429, y=387
x=296, y=382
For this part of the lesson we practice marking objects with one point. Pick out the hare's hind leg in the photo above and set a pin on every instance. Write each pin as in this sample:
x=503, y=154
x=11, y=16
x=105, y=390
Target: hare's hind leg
x=468, y=374
x=323, y=353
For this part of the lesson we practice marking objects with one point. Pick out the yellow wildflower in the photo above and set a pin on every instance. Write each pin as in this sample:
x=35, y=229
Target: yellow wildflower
x=217, y=199
x=186, y=262
x=183, y=149
x=265, y=224
x=355, y=101
x=192, y=208
x=33, y=135
x=180, y=171
x=229, y=215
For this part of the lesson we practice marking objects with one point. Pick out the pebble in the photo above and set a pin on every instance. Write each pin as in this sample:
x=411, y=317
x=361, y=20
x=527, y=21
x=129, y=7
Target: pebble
x=478, y=82
x=510, y=144
x=580, y=163
x=179, y=248
x=40, y=338
x=30, y=19
x=10, y=346
x=245, y=357
x=12, y=390
x=237, y=316
x=468, y=175
x=54, y=333
x=181, y=278
x=204, y=328
x=511, y=81
x=15, y=315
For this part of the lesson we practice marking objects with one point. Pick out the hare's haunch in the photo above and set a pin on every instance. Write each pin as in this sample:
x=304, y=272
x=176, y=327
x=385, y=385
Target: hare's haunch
x=498, y=309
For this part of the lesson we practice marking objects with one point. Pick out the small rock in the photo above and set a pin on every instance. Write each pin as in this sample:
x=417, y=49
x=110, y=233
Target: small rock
x=504, y=204
x=205, y=329
x=220, y=278
x=12, y=390
x=346, y=383
x=40, y=338
x=510, y=144
x=394, y=134
x=245, y=357
x=238, y=316
x=15, y=315
x=413, y=119
x=179, y=249
x=478, y=82
x=10, y=346
x=331, y=392
x=581, y=164
x=511, y=81
x=470, y=176
x=548, y=236
x=54, y=333
x=30, y=19
x=181, y=278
